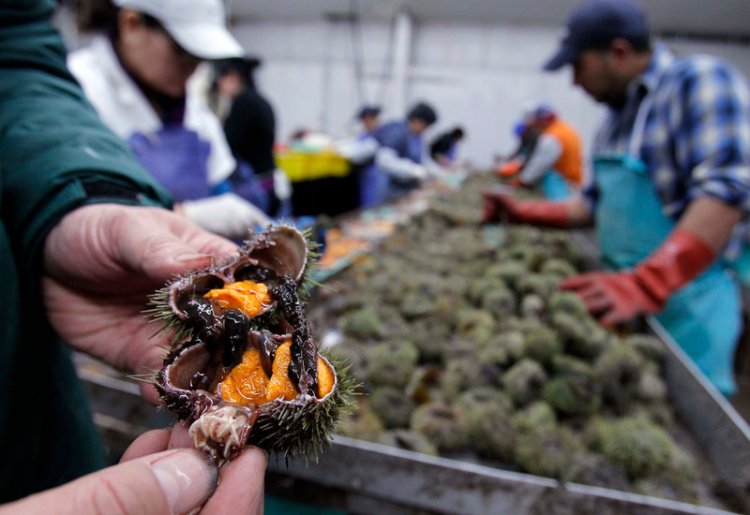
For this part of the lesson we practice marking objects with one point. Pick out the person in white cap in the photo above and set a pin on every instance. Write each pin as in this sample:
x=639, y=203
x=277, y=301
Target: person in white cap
x=137, y=78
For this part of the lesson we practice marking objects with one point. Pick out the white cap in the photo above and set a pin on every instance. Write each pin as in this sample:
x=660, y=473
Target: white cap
x=198, y=26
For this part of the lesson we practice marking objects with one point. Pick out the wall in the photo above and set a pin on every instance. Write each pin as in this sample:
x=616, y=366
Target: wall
x=479, y=76
x=316, y=74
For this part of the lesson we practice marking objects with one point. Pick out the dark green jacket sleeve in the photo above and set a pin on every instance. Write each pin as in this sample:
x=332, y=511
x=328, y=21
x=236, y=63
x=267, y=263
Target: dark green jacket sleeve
x=52, y=143
x=55, y=155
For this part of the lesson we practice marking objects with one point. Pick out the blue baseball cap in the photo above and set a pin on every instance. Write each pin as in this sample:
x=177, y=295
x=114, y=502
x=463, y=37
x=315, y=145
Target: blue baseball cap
x=595, y=23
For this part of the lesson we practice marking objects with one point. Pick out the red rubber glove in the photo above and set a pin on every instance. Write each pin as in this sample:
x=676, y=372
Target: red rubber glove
x=509, y=168
x=534, y=212
x=618, y=297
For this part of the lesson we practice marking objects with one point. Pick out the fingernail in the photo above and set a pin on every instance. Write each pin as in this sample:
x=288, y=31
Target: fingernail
x=186, y=479
x=183, y=258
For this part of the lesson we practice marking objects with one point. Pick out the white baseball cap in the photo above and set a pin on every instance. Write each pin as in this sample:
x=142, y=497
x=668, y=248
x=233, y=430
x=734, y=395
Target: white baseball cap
x=198, y=26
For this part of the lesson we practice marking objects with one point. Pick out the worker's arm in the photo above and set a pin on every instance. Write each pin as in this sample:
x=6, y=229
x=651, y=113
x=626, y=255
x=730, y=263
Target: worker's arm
x=710, y=142
x=499, y=205
x=356, y=150
x=541, y=161
x=690, y=249
x=711, y=221
x=391, y=164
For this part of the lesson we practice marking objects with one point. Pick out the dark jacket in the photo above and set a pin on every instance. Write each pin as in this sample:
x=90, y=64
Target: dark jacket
x=250, y=129
x=55, y=156
x=443, y=145
x=395, y=135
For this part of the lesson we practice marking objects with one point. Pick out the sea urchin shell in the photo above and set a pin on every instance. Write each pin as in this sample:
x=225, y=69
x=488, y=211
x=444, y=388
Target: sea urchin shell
x=244, y=368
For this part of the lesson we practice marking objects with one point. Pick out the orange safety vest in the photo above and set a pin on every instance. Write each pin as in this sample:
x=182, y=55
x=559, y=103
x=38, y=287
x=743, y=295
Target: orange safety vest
x=569, y=164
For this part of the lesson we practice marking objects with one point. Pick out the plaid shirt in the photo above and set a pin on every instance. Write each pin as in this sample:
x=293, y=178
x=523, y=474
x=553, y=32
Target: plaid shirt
x=696, y=137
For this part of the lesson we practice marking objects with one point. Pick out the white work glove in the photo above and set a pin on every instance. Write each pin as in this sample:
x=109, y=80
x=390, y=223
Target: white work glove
x=228, y=215
x=388, y=161
x=419, y=172
x=282, y=187
x=433, y=170
x=356, y=150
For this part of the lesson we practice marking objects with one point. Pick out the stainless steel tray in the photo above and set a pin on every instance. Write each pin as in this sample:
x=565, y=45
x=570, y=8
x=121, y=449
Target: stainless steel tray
x=407, y=482
x=369, y=478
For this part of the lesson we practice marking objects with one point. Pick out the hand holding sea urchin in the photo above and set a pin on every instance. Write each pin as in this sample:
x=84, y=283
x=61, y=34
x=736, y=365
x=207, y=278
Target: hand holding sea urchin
x=244, y=368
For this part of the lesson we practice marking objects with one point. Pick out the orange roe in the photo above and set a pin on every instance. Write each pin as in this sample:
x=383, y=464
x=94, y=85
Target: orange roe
x=280, y=384
x=326, y=379
x=247, y=383
x=246, y=296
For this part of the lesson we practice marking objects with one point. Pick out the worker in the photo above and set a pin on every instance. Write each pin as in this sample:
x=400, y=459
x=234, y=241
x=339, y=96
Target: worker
x=528, y=135
x=136, y=77
x=84, y=239
x=444, y=148
x=555, y=161
x=400, y=155
x=671, y=180
x=250, y=129
x=369, y=119
x=373, y=183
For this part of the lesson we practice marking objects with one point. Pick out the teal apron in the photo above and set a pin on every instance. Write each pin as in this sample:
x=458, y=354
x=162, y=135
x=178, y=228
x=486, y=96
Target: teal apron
x=554, y=186
x=703, y=317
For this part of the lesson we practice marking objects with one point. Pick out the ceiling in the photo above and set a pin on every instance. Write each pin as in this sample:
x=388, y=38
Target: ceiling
x=699, y=18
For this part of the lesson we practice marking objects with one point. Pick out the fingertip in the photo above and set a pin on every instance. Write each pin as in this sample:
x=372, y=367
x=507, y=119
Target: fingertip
x=254, y=456
x=186, y=479
x=180, y=437
x=147, y=443
x=193, y=259
x=242, y=484
x=567, y=284
x=608, y=320
x=573, y=283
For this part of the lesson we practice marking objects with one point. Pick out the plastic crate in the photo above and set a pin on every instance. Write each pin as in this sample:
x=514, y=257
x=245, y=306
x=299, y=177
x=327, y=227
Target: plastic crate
x=307, y=166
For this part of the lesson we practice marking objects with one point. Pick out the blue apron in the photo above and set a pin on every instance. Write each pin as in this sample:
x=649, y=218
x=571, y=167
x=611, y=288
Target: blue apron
x=256, y=189
x=398, y=187
x=373, y=183
x=554, y=186
x=703, y=317
x=177, y=158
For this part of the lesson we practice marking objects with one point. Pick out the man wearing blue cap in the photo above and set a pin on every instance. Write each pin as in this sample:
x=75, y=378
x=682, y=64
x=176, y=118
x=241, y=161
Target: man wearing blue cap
x=670, y=188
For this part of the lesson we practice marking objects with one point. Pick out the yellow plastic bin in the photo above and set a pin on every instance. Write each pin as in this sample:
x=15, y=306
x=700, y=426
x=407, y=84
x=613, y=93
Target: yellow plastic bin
x=307, y=166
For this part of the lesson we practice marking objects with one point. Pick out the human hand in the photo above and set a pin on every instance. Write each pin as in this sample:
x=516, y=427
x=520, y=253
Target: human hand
x=100, y=264
x=282, y=186
x=228, y=215
x=509, y=168
x=497, y=205
x=157, y=475
x=418, y=172
x=613, y=298
x=618, y=297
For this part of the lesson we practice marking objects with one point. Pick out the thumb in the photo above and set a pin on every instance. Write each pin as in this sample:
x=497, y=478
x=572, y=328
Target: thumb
x=174, y=481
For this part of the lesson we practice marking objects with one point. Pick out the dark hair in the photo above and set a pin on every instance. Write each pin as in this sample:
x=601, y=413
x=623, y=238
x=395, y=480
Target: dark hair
x=458, y=132
x=368, y=111
x=423, y=111
x=95, y=15
x=101, y=15
x=112, y=26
